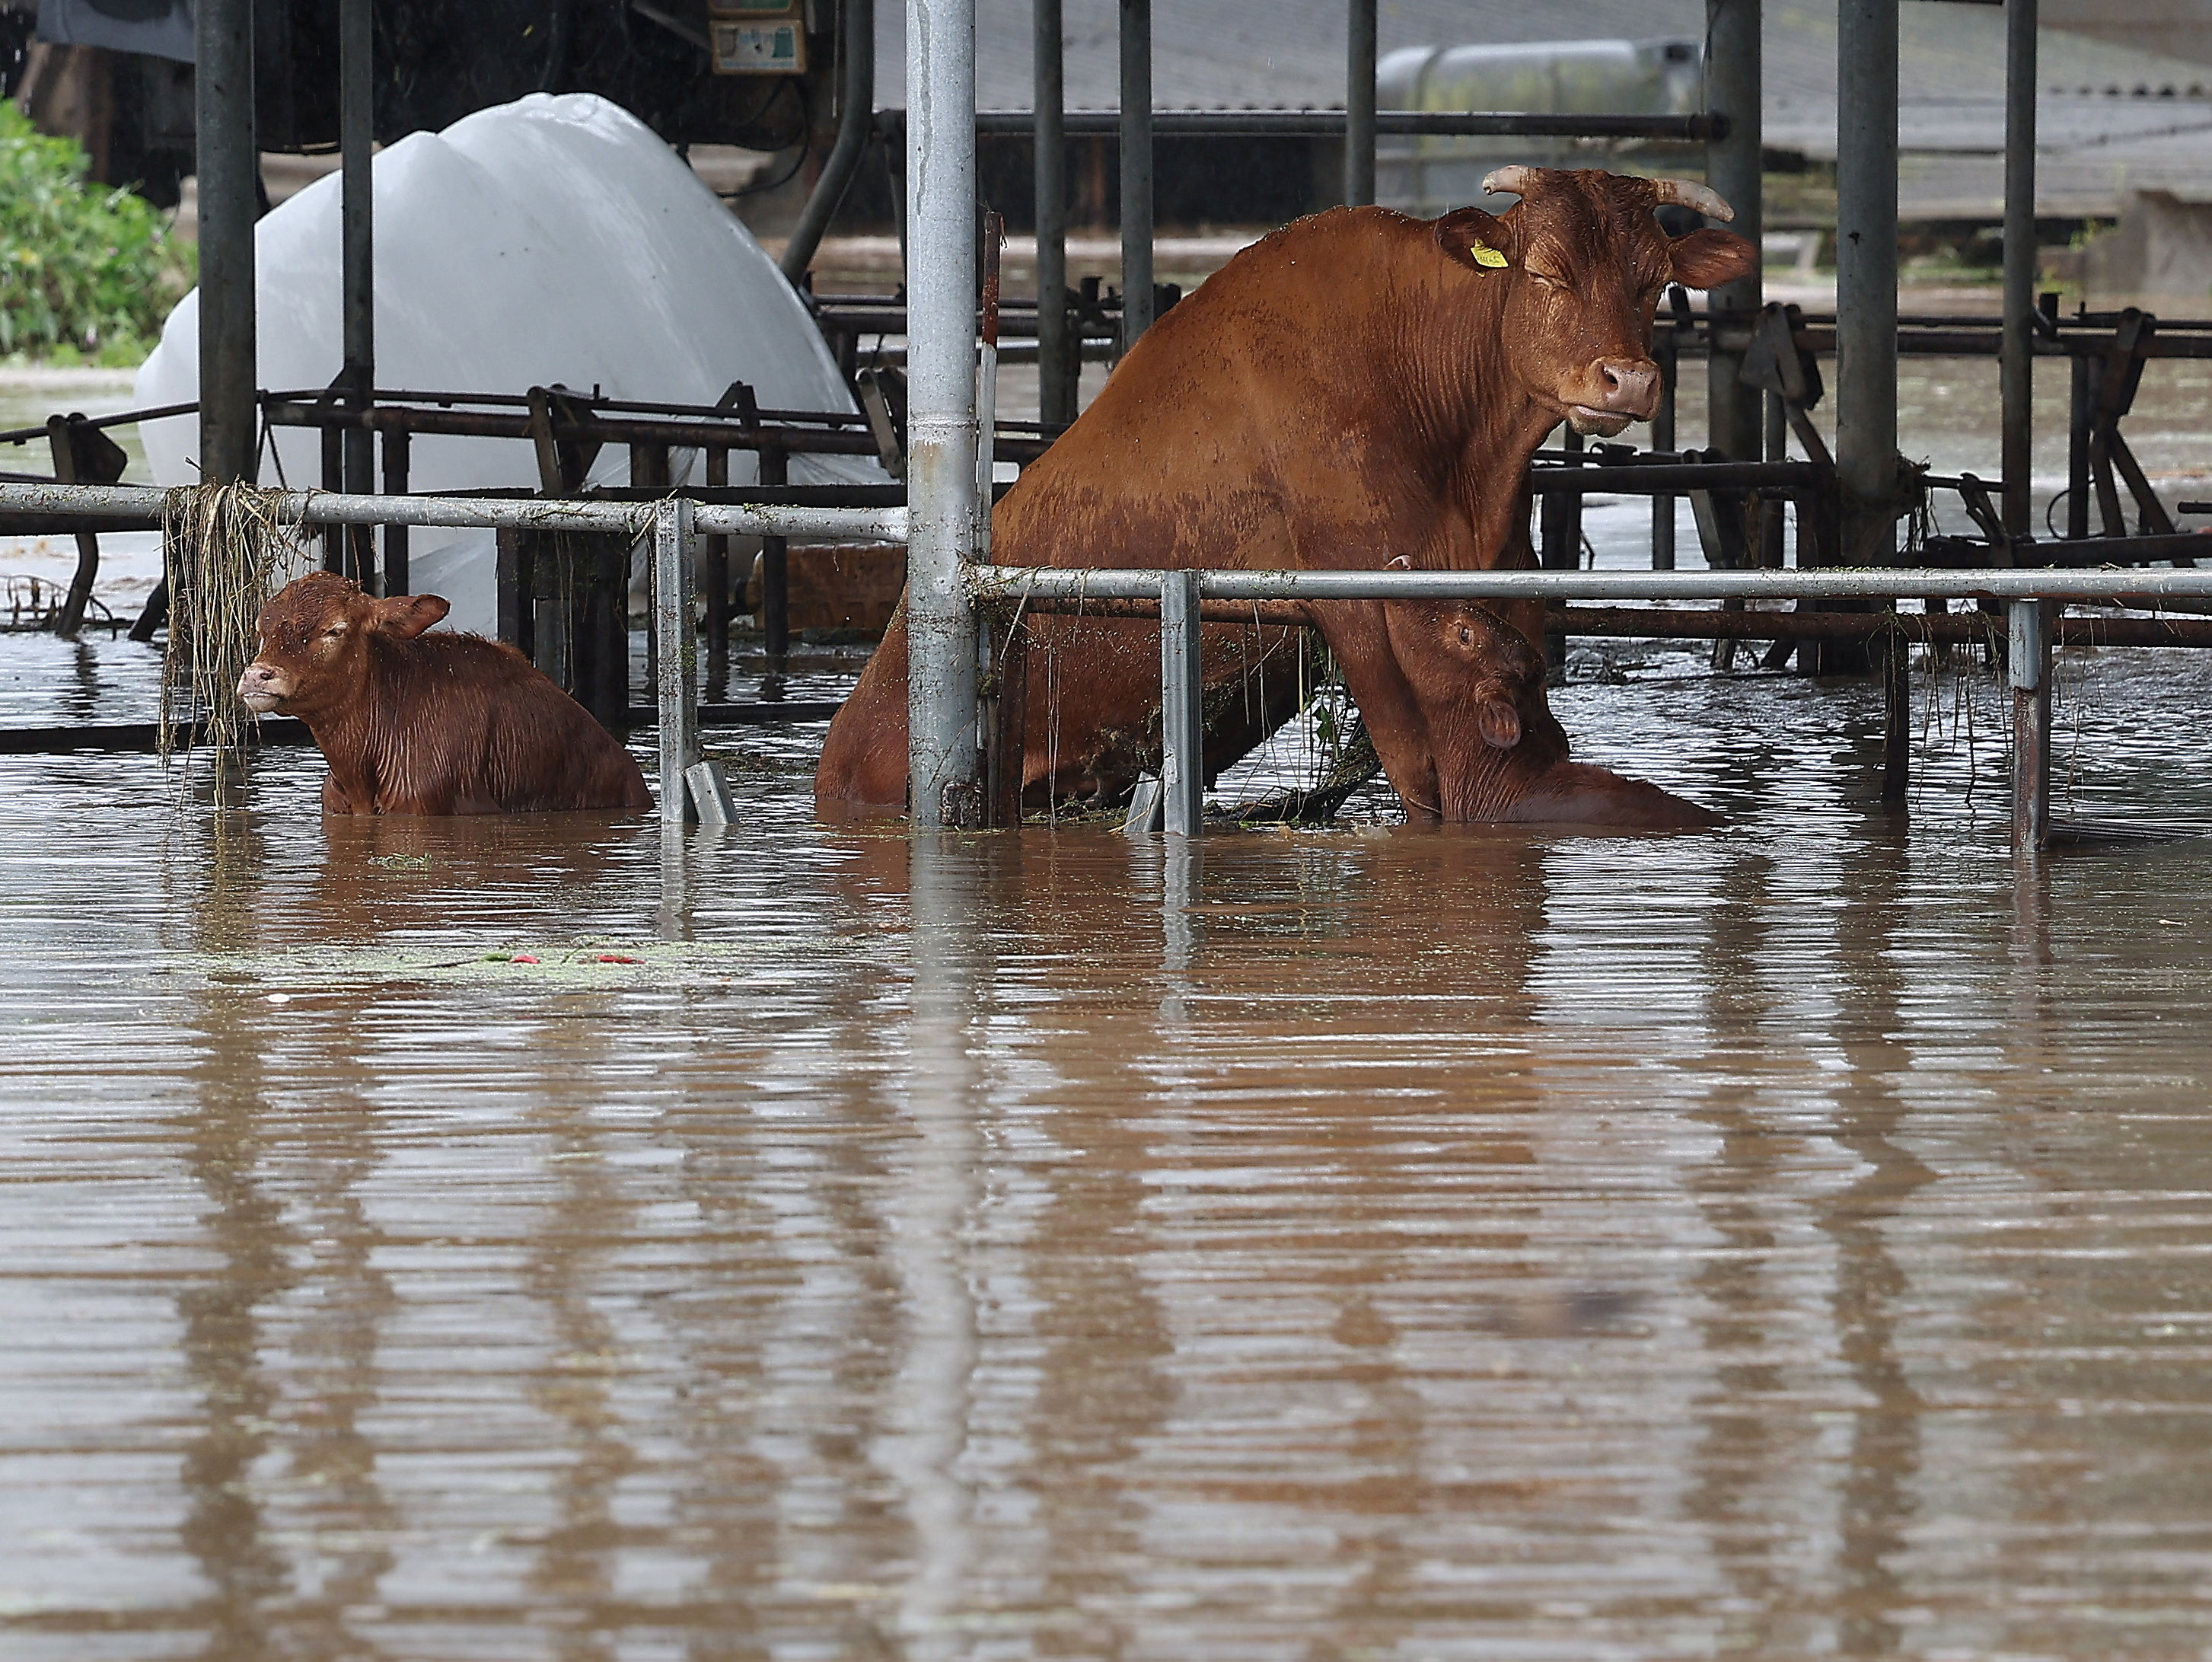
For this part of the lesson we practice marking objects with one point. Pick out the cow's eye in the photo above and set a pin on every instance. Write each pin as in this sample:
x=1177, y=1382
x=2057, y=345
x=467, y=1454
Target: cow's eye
x=1465, y=636
x=333, y=633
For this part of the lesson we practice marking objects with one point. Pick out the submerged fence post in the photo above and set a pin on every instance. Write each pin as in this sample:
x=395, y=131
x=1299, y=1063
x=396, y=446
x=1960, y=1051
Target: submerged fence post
x=1183, y=724
x=2029, y=664
x=943, y=756
x=676, y=654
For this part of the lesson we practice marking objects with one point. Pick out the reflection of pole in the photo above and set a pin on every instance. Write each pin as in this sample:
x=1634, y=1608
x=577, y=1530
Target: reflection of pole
x=1136, y=170
x=1732, y=168
x=930, y=1399
x=2016, y=367
x=1866, y=278
x=229, y=165
x=942, y=755
x=1058, y=367
x=1359, y=104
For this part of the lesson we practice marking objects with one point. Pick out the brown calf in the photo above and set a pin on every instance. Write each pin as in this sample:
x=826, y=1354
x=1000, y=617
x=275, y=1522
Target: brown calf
x=428, y=724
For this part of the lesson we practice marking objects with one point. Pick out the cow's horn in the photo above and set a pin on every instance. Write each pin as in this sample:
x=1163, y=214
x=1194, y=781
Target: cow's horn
x=1509, y=181
x=1683, y=193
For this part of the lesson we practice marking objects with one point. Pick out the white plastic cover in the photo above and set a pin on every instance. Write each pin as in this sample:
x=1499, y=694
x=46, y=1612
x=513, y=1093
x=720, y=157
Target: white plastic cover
x=554, y=240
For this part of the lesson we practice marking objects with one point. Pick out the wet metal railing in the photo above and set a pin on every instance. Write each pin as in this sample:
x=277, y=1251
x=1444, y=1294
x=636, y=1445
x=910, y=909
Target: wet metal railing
x=668, y=529
x=2027, y=596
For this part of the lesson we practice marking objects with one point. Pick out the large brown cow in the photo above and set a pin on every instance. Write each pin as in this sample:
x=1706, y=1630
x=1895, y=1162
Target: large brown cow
x=1360, y=389
x=428, y=724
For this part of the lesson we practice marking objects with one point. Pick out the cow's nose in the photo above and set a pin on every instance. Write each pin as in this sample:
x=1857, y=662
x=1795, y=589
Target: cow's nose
x=1630, y=387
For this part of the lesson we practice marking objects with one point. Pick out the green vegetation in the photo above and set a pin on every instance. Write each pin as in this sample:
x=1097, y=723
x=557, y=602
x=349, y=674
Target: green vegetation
x=86, y=272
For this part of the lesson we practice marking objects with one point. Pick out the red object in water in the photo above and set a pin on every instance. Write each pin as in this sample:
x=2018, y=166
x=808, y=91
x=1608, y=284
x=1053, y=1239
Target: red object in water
x=524, y=958
x=615, y=958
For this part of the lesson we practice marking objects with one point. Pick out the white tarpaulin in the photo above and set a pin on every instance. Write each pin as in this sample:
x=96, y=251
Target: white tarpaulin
x=554, y=240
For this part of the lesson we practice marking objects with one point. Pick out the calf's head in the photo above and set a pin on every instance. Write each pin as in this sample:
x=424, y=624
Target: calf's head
x=1584, y=262
x=317, y=635
x=1497, y=751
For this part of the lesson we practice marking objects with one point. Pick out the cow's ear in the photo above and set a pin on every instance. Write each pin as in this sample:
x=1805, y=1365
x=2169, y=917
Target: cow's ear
x=1705, y=260
x=1477, y=239
x=407, y=615
x=1500, y=723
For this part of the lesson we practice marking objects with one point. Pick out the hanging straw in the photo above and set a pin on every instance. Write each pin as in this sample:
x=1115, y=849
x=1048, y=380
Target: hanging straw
x=225, y=549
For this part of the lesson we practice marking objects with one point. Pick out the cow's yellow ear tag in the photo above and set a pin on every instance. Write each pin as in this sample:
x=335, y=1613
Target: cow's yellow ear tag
x=1484, y=253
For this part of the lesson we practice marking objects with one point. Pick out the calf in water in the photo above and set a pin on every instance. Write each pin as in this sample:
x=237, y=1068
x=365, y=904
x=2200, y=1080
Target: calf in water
x=428, y=724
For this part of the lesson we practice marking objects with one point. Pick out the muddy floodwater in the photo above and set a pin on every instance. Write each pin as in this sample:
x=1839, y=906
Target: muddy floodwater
x=541, y=1238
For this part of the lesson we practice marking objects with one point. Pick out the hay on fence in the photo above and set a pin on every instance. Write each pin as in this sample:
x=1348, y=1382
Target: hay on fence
x=225, y=549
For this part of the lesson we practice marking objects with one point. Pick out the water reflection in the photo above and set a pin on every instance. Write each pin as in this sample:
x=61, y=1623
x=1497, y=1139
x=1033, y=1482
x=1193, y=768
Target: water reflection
x=554, y=1235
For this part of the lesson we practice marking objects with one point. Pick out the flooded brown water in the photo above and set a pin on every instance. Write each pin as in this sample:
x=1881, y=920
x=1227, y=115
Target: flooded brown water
x=1791, y=1241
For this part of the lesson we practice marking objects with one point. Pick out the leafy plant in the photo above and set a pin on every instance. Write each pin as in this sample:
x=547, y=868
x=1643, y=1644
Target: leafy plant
x=87, y=272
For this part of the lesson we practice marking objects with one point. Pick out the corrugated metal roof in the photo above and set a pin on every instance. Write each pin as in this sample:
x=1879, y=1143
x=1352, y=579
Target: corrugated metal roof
x=2109, y=118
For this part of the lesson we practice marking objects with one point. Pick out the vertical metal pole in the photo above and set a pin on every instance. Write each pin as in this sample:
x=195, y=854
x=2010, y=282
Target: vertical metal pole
x=228, y=164
x=943, y=755
x=2078, y=443
x=1059, y=368
x=1136, y=170
x=677, y=657
x=1866, y=278
x=1733, y=73
x=1359, y=103
x=1666, y=348
x=1182, y=725
x=2016, y=367
x=776, y=575
x=2029, y=664
x=358, y=135
x=397, y=443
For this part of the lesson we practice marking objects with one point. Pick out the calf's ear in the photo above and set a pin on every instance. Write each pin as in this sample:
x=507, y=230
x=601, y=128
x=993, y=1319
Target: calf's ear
x=407, y=615
x=1476, y=239
x=1707, y=259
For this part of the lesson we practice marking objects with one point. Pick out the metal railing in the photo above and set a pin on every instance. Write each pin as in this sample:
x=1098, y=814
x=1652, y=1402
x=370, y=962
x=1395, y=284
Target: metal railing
x=667, y=530
x=2027, y=596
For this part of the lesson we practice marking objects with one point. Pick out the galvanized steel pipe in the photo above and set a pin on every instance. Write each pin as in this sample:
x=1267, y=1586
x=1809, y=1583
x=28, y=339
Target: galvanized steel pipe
x=944, y=755
x=142, y=501
x=1182, y=725
x=676, y=652
x=1070, y=583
